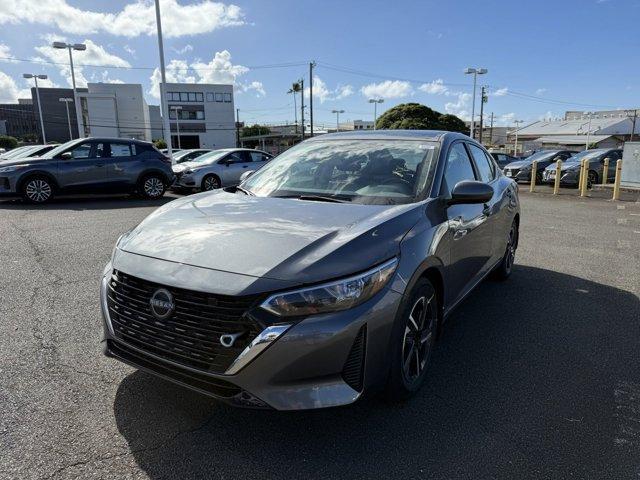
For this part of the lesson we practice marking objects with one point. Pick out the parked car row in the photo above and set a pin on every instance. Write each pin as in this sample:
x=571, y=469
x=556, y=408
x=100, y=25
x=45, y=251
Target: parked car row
x=521, y=170
x=117, y=165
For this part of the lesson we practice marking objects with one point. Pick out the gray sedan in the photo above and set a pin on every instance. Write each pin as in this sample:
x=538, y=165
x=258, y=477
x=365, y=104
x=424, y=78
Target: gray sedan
x=219, y=168
x=570, y=170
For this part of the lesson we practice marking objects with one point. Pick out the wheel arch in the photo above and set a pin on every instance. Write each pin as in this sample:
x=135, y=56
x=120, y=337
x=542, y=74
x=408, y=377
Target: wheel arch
x=210, y=174
x=36, y=173
x=150, y=171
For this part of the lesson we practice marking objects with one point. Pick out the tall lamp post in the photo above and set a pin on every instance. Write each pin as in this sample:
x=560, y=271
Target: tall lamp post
x=177, y=109
x=475, y=72
x=163, y=96
x=79, y=47
x=515, y=145
x=375, y=102
x=590, y=115
x=35, y=78
x=66, y=101
x=337, y=112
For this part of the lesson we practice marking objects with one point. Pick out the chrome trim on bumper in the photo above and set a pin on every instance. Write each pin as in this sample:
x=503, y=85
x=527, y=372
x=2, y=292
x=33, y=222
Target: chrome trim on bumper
x=261, y=342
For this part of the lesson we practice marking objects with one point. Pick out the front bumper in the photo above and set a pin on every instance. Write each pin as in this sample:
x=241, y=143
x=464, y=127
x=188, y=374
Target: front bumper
x=8, y=184
x=303, y=367
x=186, y=180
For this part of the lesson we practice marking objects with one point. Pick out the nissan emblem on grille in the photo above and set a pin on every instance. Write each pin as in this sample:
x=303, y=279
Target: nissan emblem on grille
x=162, y=305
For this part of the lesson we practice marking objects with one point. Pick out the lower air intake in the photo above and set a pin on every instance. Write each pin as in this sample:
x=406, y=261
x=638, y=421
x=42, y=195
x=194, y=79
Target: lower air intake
x=353, y=370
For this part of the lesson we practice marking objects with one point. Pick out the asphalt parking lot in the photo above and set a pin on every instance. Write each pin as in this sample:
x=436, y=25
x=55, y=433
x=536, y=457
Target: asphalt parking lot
x=538, y=377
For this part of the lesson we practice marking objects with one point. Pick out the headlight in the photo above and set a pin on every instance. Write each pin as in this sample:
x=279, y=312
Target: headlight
x=115, y=247
x=12, y=168
x=334, y=296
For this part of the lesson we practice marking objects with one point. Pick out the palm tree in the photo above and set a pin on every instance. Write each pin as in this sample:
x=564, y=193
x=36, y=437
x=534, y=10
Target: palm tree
x=295, y=88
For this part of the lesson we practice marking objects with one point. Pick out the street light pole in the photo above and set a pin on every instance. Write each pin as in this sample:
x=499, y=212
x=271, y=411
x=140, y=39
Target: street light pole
x=475, y=72
x=515, y=145
x=163, y=96
x=79, y=47
x=590, y=115
x=35, y=78
x=177, y=109
x=337, y=112
x=375, y=102
x=66, y=103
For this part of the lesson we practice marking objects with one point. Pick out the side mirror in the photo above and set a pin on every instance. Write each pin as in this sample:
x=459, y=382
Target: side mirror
x=470, y=191
x=246, y=175
x=66, y=156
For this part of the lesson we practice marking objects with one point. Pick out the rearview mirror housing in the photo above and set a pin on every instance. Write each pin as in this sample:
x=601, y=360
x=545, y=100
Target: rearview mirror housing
x=66, y=156
x=246, y=175
x=470, y=191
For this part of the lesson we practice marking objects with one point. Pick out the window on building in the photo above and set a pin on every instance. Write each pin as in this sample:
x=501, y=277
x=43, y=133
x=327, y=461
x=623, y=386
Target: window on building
x=199, y=97
x=184, y=97
x=218, y=97
x=120, y=150
x=192, y=96
x=210, y=97
x=227, y=98
x=199, y=115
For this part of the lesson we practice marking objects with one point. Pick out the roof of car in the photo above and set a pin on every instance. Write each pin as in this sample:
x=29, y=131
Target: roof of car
x=116, y=139
x=433, y=135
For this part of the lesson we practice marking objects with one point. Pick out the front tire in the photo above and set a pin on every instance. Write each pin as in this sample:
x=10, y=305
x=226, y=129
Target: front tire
x=412, y=342
x=210, y=182
x=152, y=186
x=37, y=190
x=592, y=178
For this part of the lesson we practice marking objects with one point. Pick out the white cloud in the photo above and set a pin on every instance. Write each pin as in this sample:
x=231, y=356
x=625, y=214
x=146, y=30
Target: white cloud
x=387, y=89
x=507, y=118
x=460, y=108
x=9, y=91
x=434, y=88
x=219, y=70
x=501, y=92
x=181, y=51
x=129, y=50
x=94, y=55
x=323, y=93
x=135, y=19
x=5, y=53
x=541, y=91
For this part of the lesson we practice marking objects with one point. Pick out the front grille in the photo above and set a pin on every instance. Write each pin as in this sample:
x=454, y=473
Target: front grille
x=191, y=335
x=353, y=370
x=208, y=384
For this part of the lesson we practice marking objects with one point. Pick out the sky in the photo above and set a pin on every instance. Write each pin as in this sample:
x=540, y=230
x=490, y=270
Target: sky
x=542, y=57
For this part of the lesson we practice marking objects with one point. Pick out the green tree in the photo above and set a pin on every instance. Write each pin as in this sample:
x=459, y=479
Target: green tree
x=30, y=138
x=8, y=142
x=160, y=143
x=255, y=130
x=414, y=116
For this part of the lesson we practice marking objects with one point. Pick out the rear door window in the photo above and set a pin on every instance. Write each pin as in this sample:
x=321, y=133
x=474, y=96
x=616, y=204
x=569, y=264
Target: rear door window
x=120, y=150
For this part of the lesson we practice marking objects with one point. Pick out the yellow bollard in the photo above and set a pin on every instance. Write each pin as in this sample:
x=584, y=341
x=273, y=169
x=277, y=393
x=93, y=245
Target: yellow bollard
x=605, y=171
x=616, y=182
x=581, y=176
x=534, y=171
x=556, y=183
x=585, y=178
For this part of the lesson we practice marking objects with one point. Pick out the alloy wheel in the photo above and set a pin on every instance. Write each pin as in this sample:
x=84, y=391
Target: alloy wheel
x=418, y=338
x=592, y=179
x=153, y=187
x=511, y=250
x=38, y=190
x=211, y=183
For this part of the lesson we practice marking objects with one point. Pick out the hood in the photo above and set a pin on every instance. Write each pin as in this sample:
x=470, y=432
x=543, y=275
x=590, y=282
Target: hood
x=276, y=238
x=20, y=161
x=565, y=166
x=518, y=164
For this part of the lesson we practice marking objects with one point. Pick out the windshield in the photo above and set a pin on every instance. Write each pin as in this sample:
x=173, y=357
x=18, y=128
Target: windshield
x=210, y=157
x=587, y=154
x=543, y=155
x=61, y=148
x=361, y=171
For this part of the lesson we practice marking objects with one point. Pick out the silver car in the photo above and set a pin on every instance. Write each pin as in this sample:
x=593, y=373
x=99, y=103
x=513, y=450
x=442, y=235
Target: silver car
x=324, y=275
x=219, y=168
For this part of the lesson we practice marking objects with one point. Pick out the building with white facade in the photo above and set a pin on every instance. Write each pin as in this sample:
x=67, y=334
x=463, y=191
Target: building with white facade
x=155, y=118
x=356, y=125
x=201, y=115
x=115, y=110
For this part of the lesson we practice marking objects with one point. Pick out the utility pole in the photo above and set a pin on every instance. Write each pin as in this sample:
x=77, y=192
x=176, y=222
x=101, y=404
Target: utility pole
x=483, y=100
x=491, y=131
x=311, y=65
x=164, y=106
x=633, y=127
x=237, y=128
x=302, y=106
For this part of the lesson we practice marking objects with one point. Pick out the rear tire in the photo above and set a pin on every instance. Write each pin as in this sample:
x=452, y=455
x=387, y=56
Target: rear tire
x=210, y=182
x=152, y=186
x=592, y=178
x=37, y=190
x=412, y=342
x=504, y=268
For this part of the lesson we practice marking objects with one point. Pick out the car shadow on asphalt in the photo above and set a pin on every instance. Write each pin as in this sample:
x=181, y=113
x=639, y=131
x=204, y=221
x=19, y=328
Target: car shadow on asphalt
x=94, y=202
x=523, y=384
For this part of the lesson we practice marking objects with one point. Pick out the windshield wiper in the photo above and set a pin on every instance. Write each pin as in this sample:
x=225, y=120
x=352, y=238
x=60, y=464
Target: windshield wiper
x=245, y=191
x=320, y=198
